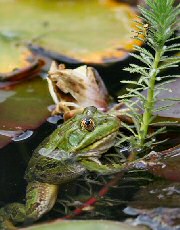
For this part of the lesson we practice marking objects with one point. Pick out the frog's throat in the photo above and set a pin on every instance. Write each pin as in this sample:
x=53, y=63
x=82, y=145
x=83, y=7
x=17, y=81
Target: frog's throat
x=101, y=145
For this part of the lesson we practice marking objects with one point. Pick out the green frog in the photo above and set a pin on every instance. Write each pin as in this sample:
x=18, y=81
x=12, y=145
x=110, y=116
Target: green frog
x=63, y=156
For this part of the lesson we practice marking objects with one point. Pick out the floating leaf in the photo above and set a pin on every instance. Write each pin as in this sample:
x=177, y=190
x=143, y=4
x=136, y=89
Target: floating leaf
x=170, y=91
x=168, y=164
x=17, y=62
x=173, y=93
x=16, y=75
x=11, y=55
x=23, y=107
x=73, y=31
x=88, y=225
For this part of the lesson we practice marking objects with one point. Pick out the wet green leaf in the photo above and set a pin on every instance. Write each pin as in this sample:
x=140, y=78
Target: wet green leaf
x=10, y=57
x=81, y=30
x=88, y=225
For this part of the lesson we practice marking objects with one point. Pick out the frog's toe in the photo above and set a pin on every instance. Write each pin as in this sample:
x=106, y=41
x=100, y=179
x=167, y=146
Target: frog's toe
x=11, y=214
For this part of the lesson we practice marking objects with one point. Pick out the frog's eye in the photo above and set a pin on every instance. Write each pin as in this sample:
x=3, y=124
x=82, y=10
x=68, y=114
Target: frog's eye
x=88, y=124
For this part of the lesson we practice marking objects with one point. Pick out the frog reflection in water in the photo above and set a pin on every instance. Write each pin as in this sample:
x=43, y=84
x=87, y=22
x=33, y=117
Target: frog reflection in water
x=61, y=158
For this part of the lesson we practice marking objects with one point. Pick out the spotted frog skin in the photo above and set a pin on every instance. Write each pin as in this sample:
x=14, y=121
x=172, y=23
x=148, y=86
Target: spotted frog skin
x=59, y=159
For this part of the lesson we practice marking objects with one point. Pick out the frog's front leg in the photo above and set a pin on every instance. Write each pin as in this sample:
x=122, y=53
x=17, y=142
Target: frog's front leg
x=104, y=169
x=40, y=198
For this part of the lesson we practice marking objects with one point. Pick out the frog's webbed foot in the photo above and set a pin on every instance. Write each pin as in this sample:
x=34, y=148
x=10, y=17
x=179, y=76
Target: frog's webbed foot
x=12, y=213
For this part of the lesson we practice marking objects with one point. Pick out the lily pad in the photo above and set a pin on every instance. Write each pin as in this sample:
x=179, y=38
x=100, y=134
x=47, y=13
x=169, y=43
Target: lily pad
x=81, y=31
x=88, y=225
x=11, y=55
x=16, y=62
x=23, y=107
x=167, y=97
x=168, y=165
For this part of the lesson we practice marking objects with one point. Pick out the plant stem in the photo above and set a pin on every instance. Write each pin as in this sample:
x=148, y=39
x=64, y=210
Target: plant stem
x=149, y=105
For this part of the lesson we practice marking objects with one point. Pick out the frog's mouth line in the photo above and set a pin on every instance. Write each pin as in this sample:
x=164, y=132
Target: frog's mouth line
x=102, y=145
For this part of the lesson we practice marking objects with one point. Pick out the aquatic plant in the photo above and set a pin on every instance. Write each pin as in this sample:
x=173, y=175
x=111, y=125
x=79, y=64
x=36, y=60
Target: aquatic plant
x=157, y=28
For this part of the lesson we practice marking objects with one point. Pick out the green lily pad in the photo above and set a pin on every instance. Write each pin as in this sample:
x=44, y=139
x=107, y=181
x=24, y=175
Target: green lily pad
x=93, y=31
x=17, y=62
x=10, y=56
x=88, y=225
x=23, y=107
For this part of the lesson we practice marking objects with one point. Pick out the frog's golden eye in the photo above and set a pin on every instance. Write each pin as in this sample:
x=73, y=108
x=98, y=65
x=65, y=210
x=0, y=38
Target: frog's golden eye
x=88, y=124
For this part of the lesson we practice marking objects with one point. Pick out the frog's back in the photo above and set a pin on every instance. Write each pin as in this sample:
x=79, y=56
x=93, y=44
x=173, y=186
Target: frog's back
x=49, y=164
x=52, y=171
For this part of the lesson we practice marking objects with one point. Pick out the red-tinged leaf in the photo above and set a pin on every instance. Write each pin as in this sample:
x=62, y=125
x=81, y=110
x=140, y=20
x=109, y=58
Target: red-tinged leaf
x=168, y=165
x=17, y=75
x=23, y=107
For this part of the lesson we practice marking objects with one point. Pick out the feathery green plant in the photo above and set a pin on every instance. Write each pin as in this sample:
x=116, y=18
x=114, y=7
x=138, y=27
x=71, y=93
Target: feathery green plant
x=161, y=17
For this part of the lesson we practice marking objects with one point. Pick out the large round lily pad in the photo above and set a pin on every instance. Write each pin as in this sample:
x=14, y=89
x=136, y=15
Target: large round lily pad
x=86, y=31
x=88, y=225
